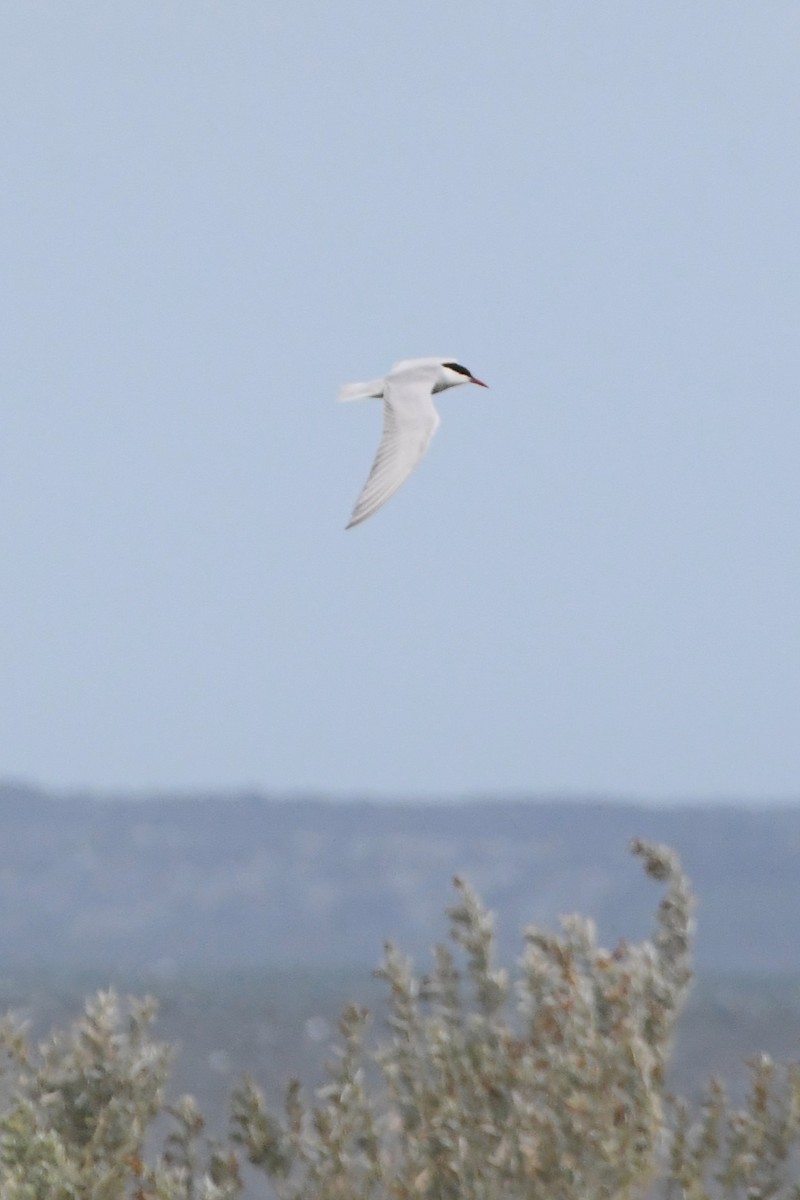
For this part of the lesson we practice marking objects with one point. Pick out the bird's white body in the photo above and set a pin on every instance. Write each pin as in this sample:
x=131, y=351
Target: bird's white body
x=409, y=422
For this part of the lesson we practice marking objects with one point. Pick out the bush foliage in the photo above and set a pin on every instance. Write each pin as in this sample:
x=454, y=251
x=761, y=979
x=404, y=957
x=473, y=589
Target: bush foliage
x=479, y=1086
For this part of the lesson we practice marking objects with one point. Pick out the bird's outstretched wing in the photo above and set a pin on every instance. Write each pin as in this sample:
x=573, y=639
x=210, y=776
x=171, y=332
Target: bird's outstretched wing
x=409, y=422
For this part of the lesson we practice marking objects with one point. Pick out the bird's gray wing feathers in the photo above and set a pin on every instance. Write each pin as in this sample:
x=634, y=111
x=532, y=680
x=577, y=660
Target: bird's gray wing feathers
x=409, y=422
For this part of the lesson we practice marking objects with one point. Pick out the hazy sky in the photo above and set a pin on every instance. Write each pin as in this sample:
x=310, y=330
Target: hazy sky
x=212, y=214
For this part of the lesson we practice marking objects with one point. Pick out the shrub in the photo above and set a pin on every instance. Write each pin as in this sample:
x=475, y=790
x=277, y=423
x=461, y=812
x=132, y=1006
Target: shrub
x=551, y=1085
x=480, y=1087
x=79, y=1108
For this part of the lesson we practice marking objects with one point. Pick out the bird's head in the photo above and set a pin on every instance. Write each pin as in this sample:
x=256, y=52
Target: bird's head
x=454, y=374
x=441, y=373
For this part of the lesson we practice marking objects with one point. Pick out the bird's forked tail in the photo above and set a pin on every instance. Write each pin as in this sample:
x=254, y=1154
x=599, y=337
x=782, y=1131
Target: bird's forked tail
x=371, y=390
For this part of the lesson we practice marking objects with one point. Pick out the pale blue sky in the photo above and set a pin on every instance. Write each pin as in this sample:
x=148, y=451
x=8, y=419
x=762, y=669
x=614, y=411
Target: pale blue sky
x=215, y=213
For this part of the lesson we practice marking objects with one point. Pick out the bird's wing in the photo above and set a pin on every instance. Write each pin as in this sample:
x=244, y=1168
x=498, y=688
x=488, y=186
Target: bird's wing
x=409, y=423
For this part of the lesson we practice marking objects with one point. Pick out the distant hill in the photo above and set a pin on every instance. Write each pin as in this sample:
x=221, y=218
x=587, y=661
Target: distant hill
x=164, y=883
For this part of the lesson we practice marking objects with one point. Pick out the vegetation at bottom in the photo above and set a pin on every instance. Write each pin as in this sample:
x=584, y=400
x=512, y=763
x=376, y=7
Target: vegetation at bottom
x=474, y=1084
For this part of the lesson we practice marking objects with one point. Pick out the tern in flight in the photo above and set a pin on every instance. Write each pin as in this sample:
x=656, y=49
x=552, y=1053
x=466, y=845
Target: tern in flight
x=409, y=422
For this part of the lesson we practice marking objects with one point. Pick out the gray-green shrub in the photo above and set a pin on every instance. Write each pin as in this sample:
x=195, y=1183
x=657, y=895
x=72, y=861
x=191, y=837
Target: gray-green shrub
x=477, y=1086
